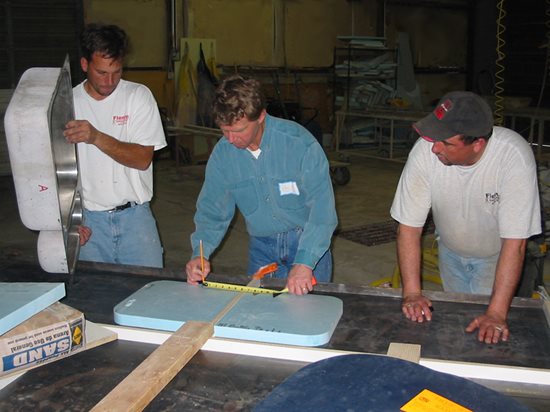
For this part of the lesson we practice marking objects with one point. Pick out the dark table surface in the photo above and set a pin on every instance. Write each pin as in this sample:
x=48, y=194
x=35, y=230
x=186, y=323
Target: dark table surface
x=216, y=381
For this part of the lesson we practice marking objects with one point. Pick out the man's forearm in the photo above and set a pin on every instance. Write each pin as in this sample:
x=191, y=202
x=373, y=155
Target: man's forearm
x=507, y=276
x=131, y=155
x=409, y=258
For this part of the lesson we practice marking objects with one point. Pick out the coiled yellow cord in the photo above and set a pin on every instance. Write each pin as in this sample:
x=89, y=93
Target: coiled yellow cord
x=499, y=72
x=547, y=61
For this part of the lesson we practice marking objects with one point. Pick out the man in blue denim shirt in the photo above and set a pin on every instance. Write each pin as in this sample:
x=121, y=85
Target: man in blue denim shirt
x=277, y=174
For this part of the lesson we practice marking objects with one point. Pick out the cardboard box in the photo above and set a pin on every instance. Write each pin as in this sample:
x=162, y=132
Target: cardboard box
x=53, y=333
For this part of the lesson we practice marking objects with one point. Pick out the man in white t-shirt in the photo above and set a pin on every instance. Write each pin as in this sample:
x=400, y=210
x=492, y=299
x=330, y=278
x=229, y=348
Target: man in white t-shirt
x=480, y=183
x=117, y=129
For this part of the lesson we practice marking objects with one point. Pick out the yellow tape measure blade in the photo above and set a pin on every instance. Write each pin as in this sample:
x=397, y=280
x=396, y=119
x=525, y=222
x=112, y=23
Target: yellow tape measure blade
x=241, y=288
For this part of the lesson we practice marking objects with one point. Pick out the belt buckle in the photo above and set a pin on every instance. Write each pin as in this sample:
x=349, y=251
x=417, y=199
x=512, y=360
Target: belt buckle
x=121, y=207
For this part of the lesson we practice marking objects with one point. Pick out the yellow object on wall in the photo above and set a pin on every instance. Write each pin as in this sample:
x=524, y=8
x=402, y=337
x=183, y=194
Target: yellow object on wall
x=186, y=88
x=189, y=48
x=158, y=82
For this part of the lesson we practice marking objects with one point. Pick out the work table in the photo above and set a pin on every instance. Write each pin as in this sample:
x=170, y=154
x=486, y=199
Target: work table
x=371, y=320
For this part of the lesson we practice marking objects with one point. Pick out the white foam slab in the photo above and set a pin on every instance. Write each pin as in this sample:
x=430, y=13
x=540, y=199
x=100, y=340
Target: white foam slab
x=21, y=300
x=288, y=319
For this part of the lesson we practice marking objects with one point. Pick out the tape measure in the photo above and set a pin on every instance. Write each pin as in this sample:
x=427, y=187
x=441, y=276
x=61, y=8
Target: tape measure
x=243, y=289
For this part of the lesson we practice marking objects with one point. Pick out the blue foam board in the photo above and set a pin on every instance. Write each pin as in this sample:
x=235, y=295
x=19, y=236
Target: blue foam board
x=21, y=300
x=306, y=320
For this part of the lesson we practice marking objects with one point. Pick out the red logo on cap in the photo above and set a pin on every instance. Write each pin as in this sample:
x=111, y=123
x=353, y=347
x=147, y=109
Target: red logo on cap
x=441, y=110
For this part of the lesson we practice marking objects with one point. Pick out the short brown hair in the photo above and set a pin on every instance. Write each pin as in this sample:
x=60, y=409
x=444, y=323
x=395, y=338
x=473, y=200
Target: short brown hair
x=108, y=40
x=237, y=96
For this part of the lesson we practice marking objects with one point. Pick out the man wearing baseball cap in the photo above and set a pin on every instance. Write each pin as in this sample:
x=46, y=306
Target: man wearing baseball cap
x=480, y=183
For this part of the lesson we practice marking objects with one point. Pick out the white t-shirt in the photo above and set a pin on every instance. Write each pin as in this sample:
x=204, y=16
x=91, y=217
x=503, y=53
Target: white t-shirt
x=129, y=114
x=473, y=206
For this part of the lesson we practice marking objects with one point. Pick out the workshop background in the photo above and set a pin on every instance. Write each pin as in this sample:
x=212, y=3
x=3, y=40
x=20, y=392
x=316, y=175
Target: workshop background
x=337, y=66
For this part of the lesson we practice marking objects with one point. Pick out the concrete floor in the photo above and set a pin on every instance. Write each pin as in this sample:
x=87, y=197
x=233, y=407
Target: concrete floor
x=366, y=199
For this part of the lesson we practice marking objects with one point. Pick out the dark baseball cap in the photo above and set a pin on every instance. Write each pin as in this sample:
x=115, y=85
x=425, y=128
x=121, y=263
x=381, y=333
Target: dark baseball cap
x=456, y=113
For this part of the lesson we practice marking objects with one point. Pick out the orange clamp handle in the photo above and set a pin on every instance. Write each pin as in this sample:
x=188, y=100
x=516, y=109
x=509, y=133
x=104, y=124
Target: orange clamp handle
x=264, y=270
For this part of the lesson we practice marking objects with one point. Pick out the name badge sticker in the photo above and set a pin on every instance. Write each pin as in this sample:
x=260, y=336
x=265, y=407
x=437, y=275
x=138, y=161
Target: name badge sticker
x=288, y=188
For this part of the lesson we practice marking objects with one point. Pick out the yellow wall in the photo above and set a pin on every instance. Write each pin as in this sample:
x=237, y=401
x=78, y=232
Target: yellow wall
x=277, y=32
x=291, y=33
x=285, y=33
x=244, y=29
x=145, y=22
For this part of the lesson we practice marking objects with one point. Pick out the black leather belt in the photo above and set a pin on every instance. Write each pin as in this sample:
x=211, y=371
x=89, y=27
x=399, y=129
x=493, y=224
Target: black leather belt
x=122, y=207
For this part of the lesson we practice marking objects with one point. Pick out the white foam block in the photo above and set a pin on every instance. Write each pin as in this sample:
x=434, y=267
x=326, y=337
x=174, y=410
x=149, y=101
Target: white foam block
x=306, y=320
x=21, y=300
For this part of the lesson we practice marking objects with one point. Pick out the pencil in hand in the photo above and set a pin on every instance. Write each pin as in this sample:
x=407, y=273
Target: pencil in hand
x=202, y=260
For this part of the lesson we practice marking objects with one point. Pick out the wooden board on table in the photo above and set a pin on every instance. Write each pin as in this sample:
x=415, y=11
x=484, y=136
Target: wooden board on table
x=306, y=320
x=146, y=381
x=406, y=351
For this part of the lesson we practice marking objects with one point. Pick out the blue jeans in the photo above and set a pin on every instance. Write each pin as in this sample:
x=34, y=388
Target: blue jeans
x=466, y=275
x=281, y=248
x=127, y=237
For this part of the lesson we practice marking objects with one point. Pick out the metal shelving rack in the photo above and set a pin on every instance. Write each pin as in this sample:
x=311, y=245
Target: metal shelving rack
x=364, y=80
x=364, y=76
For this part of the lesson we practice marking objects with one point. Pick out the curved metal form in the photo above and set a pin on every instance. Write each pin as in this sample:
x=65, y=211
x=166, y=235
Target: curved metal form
x=44, y=165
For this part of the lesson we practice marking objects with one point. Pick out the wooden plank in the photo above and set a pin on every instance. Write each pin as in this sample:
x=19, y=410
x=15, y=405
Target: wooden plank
x=198, y=141
x=146, y=381
x=97, y=335
x=196, y=130
x=545, y=303
x=405, y=351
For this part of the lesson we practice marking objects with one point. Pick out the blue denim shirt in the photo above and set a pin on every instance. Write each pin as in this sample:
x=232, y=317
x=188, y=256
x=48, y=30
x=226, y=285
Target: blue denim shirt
x=288, y=186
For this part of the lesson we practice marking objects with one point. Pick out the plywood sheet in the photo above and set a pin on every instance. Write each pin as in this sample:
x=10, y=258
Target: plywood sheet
x=295, y=320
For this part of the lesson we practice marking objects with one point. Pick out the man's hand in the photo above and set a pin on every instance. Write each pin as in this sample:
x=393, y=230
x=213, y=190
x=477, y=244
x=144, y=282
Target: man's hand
x=78, y=131
x=492, y=325
x=492, y=328
x=194, y=272
x=300, y=280
x=417, y=307
x=85, y=232
x=132, y=155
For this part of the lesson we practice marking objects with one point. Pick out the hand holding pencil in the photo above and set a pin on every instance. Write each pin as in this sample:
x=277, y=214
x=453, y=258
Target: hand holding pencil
x=197, y=268
x=202, y=261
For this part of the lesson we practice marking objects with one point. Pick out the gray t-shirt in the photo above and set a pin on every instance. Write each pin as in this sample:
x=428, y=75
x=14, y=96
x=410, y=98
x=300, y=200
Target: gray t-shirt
x=473, y=207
